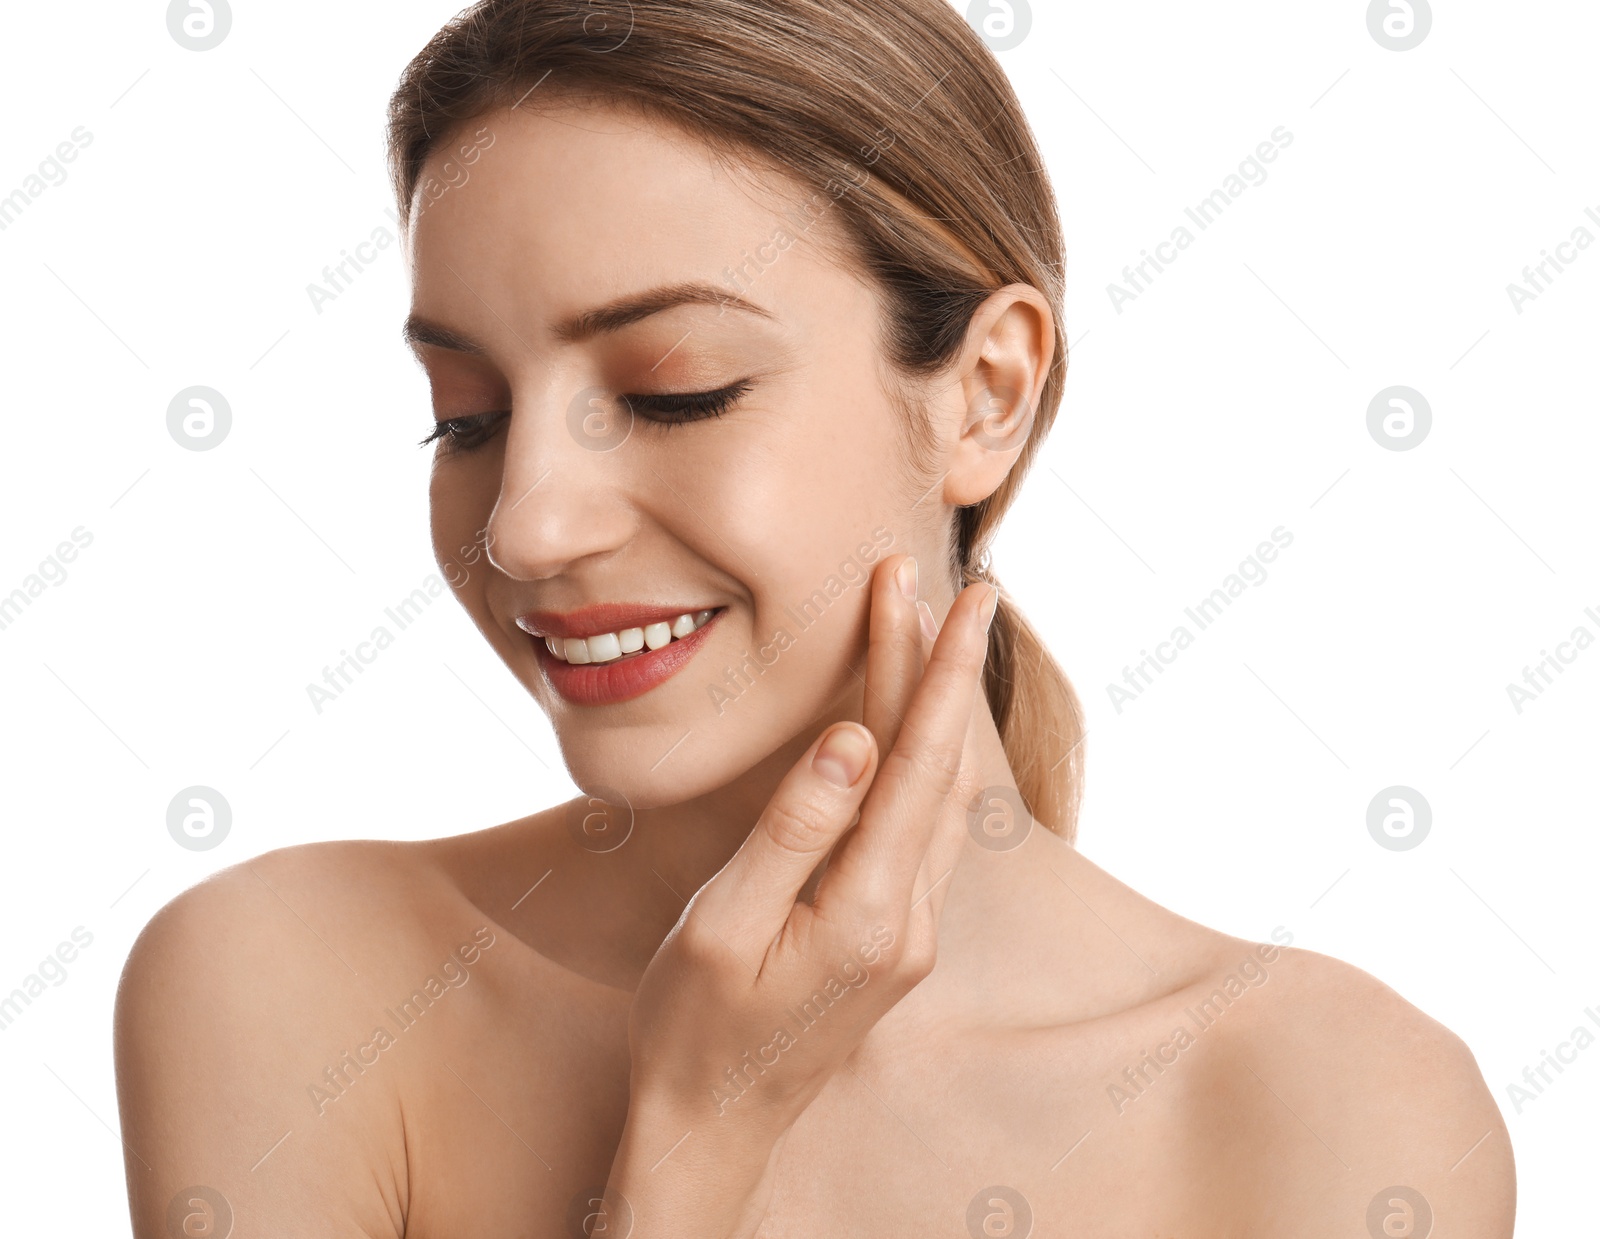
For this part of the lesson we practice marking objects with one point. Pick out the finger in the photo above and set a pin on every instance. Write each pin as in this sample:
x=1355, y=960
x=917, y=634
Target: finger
x=750, y=899
x=898, y=645
x=877, y=865
x=938, y=861
x=895, y=652
x=930, y=630
x=951, y=831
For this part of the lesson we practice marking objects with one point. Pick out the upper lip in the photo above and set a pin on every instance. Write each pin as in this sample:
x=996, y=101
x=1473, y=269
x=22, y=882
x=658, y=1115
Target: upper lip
x=601, y=618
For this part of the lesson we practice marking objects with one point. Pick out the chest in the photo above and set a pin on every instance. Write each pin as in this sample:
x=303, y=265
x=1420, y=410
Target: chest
x=513, y=1114
x=993, y=1139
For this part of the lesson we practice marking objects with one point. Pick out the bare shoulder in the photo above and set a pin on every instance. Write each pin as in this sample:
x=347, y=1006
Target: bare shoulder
x=1357, y=1113
x=316, y=911
x=1264, y=1089
x=240, y=1006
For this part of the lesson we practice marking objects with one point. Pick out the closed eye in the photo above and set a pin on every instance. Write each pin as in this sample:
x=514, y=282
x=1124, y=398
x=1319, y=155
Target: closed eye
x=666, y=409
x=674, y=409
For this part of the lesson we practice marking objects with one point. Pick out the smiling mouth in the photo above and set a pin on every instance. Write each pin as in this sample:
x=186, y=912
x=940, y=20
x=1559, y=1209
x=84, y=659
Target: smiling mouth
x=619, y=675
x=611, y=647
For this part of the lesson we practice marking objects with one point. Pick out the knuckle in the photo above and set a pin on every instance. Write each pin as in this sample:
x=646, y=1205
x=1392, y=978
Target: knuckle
x=695, y=941
x=920, y=953
x=875, y=905
x=911, y=968
x=884, y=929
x=919, y=962
x=929, y=764
x=698, y=942
x=967, y=784
x=799, y=827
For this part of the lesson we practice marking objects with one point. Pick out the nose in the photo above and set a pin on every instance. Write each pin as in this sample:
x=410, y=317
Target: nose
x=563, y=485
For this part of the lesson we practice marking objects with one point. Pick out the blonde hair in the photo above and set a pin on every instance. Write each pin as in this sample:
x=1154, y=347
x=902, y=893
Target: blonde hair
x=896, y=101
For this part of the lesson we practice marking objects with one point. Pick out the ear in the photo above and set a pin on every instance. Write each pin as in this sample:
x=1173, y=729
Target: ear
x=988, y=408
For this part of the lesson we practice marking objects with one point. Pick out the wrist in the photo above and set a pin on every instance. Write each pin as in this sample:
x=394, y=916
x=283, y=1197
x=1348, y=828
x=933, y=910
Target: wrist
x=685, y=1170
x=750, y=1099
x=661, y=1132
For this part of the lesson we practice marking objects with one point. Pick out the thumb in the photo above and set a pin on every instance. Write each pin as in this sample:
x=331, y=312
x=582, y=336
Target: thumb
x=752, y=896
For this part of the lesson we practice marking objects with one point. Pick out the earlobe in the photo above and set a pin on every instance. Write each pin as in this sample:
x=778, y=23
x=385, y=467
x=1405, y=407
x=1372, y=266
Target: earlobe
x=997, y=425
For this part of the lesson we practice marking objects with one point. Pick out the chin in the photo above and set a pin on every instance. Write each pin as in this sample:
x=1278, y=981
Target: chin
x=714, y=722
x=618, y=763
x=609, y=768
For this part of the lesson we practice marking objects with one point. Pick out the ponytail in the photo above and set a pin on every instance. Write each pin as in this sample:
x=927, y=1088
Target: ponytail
x=1037, y=712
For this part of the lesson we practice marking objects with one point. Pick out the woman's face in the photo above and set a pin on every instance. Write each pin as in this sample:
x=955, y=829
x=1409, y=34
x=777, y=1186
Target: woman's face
x=539, y=270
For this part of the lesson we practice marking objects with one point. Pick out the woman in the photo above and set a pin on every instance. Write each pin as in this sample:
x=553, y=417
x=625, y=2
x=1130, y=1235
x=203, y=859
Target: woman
x=742, y=320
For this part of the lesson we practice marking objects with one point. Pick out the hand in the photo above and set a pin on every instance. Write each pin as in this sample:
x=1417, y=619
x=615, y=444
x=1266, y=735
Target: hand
x=756, y=999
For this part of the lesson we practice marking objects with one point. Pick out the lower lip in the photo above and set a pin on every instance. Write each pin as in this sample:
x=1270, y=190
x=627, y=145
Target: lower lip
x=604, y=684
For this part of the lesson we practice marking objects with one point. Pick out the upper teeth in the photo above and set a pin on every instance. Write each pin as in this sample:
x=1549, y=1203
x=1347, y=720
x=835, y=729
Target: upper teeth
x=608, y=646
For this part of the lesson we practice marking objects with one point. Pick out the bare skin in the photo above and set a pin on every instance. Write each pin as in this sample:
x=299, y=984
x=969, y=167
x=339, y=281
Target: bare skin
x=1027, y=1054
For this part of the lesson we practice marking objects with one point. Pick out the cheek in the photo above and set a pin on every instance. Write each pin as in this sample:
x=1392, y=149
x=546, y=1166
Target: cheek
x=804, y=506
x=832, y=480
x=459, y=504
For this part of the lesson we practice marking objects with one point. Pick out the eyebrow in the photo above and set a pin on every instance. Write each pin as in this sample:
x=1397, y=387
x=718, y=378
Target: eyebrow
x=602, y=320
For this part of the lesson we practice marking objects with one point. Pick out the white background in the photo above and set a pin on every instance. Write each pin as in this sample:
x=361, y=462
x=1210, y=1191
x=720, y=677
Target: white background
x=1228, y=399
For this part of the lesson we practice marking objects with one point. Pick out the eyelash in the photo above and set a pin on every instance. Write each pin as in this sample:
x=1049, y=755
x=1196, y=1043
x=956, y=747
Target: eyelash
x=667, y=410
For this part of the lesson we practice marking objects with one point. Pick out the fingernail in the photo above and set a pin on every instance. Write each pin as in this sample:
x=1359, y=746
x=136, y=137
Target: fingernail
x=906, y=575
x=990, y=606
x=930, y=626
x=841, y=758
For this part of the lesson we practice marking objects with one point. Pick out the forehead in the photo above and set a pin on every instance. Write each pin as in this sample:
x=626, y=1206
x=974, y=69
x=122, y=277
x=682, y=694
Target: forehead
x=540, y=218
x=587, y=200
